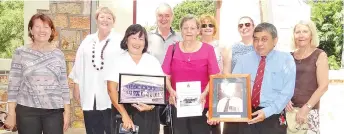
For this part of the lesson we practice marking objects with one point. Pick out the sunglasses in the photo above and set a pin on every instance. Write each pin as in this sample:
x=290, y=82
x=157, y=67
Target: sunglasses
x=242, y=25
x=207, y=25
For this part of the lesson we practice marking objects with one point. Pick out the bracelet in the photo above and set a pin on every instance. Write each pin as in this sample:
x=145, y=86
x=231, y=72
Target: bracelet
x=309, y=106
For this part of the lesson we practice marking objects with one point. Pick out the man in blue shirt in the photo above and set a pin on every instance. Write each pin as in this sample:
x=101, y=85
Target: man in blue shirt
x=272, y=80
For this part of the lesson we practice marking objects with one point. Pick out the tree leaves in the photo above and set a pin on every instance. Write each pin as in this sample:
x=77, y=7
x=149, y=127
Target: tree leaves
x=328, y=17
x=195, y=7
x=11, y=26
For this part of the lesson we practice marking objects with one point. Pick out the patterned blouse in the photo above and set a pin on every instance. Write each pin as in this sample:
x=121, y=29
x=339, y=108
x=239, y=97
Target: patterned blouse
x=239, y=49
x=38, y=79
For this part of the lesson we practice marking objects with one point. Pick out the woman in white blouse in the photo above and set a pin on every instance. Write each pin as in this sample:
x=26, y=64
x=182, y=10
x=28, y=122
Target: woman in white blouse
x=88, y=72
x=134, y=60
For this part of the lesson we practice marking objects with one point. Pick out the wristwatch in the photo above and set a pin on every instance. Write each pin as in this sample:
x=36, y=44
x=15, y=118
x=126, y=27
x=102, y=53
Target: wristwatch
x=309, y=106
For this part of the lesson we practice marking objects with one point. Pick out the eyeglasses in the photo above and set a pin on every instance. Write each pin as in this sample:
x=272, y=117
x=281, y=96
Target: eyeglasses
x=242, y=25
x=209, y=25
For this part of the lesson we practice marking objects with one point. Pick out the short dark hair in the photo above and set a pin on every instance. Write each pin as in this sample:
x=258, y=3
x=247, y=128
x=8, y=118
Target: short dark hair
x=45, y=19
x=267, y=27
x=131, y=30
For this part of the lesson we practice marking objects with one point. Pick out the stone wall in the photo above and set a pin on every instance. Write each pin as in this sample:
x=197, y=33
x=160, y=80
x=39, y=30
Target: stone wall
x=3, y=90
x=72, y=22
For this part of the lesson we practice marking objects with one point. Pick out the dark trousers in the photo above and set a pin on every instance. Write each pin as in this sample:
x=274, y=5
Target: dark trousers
x=270, y=125
x=190, y=125
x=36, y=120
x=97, y=121
x=148, y=121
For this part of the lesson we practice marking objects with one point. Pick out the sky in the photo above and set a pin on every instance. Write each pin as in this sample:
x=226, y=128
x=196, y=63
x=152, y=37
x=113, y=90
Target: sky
x=146, y=10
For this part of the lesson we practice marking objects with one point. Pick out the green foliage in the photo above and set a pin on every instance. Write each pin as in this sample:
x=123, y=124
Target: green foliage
x=328, y=17
x=195, y=7
x=11, y=26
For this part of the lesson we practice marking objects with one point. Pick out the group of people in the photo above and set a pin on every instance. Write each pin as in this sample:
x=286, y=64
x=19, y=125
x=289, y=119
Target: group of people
x=38, y=92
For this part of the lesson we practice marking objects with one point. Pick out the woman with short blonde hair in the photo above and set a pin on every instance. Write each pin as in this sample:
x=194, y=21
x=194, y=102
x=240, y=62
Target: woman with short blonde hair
x=88, y=73
x=311, y=76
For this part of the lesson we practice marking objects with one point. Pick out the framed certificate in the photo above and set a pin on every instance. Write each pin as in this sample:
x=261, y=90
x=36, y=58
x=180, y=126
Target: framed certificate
x=230, y=98
x=148, y=89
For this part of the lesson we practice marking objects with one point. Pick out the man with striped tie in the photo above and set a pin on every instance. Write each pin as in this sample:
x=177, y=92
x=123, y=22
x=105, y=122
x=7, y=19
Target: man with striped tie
x=272, y=79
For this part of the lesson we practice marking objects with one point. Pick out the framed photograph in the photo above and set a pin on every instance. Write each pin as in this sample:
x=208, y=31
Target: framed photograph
x=230, y=98
x=148, y=89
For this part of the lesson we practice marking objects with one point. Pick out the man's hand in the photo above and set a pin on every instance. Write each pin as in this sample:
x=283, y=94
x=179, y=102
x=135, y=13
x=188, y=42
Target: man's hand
x=260, y=117
x=211, y=122
x=76, y=93
x=289, y=107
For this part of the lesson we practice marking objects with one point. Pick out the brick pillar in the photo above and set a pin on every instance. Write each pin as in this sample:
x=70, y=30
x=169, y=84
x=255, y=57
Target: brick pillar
x=72, y=21
x=3, y=90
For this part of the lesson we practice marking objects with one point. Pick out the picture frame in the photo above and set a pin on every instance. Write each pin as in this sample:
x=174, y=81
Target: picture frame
x=138, y=88
x=230, y=98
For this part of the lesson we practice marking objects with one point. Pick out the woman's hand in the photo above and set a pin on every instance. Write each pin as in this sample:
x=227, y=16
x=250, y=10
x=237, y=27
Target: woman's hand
x=143, y=107
x=66, y=120
x=173, y=97
x=76, y=93
x=301, y=115
x=127, y=123
x=203, y=98
x=289, y=107
x=10, y=122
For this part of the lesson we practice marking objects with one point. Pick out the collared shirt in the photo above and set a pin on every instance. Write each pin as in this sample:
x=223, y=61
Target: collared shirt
x=278, y=80
x=91, y=81
x=158, y=45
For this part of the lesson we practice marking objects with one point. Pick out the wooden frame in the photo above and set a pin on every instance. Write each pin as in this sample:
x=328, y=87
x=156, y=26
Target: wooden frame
x=148, y=89
x=228, y=100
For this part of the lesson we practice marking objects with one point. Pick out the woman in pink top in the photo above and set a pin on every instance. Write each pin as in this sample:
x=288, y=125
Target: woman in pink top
x=189, y=61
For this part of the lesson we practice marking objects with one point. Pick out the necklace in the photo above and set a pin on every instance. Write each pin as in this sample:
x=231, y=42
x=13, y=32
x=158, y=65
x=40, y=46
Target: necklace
x=188, y=52
x=303, y=56
x=101, y=55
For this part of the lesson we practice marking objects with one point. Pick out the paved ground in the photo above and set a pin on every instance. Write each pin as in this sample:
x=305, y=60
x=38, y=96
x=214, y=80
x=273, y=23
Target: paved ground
x=70, y=131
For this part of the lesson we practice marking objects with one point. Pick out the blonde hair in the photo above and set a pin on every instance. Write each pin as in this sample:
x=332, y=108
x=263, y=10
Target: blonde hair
x=212, y=20
x=312, y=28
x=105, y=10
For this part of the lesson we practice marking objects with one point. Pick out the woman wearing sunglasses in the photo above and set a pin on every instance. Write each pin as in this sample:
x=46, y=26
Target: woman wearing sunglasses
x=208, y=32
x=245, y=29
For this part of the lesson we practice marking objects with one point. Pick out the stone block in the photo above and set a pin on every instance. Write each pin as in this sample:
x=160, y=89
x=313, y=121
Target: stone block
x=53, y=8
x=3, y=79
x=3, y=106
x=81, y=22
x=61, y=20
x=69, y=55
x=43, y=11
x=69, y=7
x=85, y=33
x=55, y=43
x=69, y=39
x=78, y=114
x=69, y=67
x=3, y=95
x=78, y=124
x=75, y=103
